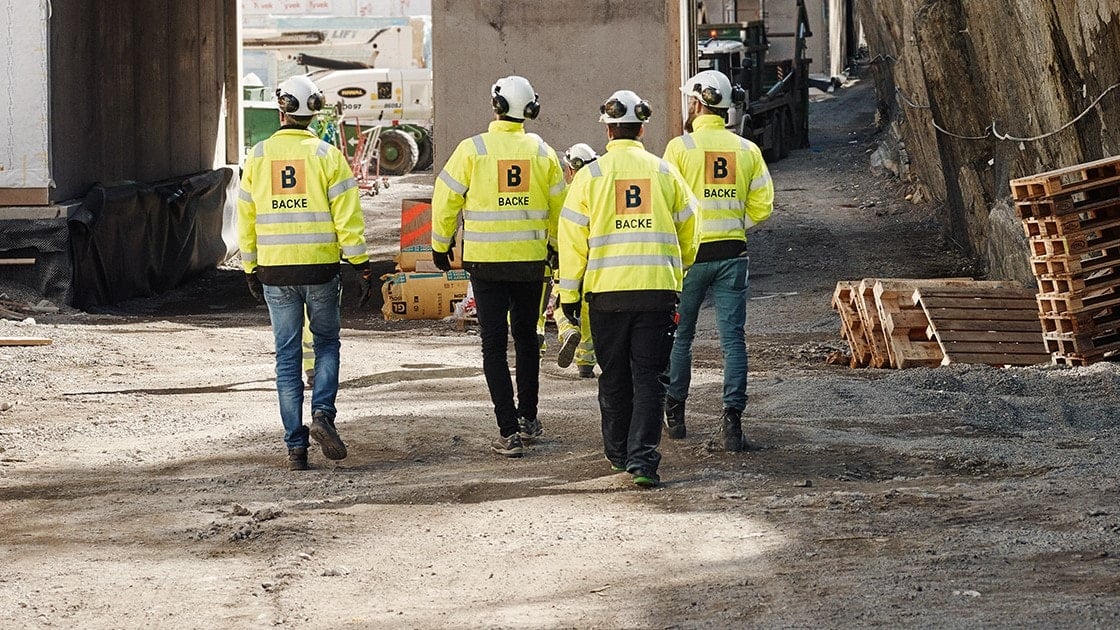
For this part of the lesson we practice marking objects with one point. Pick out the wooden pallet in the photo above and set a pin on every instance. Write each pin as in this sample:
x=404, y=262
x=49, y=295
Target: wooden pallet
x=1095, y=345
x=1064, y=181
x=1072, y=265
x=851, y=326
x=1062, y=205
x=1100, y=217
x=995, y=326
x=904, y=324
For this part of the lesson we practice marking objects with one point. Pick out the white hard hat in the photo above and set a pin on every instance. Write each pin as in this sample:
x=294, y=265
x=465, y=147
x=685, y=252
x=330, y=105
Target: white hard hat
x=624, y=106
x=513, y=96
x=299, y=96
x=711, y=88
x=580, y=155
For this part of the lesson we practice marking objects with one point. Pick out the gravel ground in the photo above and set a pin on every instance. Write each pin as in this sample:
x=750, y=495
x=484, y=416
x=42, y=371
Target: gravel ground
x=143, y=484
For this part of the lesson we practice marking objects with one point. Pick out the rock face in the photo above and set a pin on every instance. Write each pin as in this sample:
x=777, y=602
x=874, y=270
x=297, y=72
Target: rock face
x=983, y=92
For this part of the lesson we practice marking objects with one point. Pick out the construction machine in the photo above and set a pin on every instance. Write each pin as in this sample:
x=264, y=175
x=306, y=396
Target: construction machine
x=775, y=115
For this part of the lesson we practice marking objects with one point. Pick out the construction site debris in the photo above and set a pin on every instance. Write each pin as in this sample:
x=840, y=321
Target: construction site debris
x=1071, y=217
x=911, y=322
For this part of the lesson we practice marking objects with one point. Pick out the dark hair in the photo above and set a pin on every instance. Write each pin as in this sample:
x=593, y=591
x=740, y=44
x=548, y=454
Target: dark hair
x=625, y=131
x=299, y=121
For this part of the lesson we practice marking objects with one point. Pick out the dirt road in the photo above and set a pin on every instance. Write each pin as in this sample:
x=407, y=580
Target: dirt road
x=142, y=480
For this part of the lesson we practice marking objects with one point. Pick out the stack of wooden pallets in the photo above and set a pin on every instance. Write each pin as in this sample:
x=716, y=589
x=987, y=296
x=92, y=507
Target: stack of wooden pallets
x=907, y=322
x=1072, y=219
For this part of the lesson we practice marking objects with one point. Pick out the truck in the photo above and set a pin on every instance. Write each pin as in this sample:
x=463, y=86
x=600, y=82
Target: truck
x=775, y=115
x=399, y=100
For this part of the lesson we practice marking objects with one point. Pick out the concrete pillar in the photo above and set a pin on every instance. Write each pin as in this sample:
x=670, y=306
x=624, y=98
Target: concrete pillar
x=575, y=53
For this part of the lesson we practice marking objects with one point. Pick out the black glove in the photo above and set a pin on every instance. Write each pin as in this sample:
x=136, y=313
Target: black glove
x=442, y=260
x=255, y=287
x=451, y=249
x=553, y=259
x=571, y=311
x=365, y=282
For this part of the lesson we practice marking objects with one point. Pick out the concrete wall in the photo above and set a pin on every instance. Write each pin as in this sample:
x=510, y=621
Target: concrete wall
x=575, y=53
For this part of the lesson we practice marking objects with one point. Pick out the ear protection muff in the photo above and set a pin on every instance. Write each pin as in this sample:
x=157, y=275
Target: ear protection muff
x=315, y=102
x=709, y=95
x=578, y=162
x=643, y=111
x=499, y=102
x=533, y=107
x=738, y=94
x=287, y=102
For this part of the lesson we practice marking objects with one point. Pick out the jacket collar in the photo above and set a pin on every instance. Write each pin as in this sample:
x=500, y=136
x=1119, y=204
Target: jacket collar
x=506, y=126
x=707, y=121
x=615, y=145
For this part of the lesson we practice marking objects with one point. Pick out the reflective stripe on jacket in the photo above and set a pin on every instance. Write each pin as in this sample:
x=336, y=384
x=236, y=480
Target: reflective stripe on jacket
x=298, y=204
x=509, y=187
x=629, y=224
x=728, y=176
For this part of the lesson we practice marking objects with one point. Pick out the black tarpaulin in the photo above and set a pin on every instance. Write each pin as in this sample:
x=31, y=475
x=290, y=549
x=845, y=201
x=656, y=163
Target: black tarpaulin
x=134, y=240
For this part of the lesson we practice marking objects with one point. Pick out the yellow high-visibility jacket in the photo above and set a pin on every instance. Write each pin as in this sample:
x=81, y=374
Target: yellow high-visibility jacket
x=509, y=186
x=629, y=224
x=728, y=176
x=298, y=205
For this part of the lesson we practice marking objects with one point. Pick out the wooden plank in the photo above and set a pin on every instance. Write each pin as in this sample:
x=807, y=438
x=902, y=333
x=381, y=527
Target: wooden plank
x=24, y=341
x=1003, y=325
x=954, y=348
x=921, y=354
x=157, y=104
x=997, y=360
x=981, y=314
x=25, y=196
x=1004, y=336
x=1024, y=300
x=17, y=261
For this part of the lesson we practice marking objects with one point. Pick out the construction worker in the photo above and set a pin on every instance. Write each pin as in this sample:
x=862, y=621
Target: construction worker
x=627, y=233
x=575, y=337
x=729, y=177
x=298, y=214
x=509, y=187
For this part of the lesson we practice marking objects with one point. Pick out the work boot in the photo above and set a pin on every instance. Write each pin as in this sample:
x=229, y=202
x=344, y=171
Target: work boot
x=529, y=429
x=732, y=429
x=309, y=377
x=674, y=419
x=323, y=432
x=587, y=371
x=567, y=349
x=509, y=446
x=297, y=458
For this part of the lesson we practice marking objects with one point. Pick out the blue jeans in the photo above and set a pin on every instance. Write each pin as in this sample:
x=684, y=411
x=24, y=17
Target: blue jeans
x=728, y=280
x=286, y=308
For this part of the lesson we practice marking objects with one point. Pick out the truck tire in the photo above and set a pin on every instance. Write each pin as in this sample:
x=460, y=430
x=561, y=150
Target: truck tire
x=424, y=158
x=786, y=133
x=397, y=152
x=773, y=152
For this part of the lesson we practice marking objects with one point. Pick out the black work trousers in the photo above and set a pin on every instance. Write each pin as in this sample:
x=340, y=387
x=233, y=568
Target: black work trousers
x=505, y=307
x=632, y=349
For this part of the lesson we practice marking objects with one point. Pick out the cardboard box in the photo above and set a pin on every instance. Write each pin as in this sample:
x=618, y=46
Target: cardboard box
x=417, y=295
x=416, y=238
